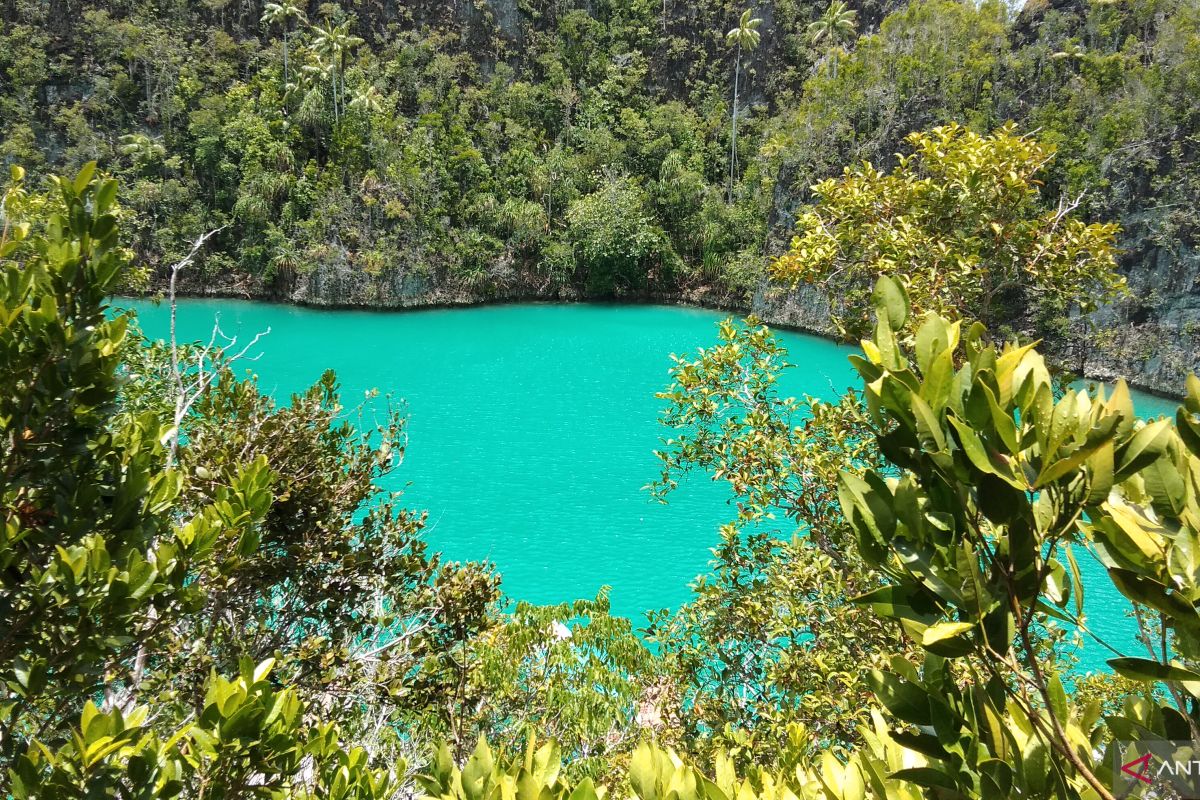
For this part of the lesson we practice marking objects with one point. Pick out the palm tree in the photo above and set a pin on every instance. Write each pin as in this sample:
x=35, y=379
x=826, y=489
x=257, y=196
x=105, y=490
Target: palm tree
x=839, y=23
x=284, y=14
x=744, y=37
x=336, y=42
x=142, y=148
x=368, y=100
x=310, y=87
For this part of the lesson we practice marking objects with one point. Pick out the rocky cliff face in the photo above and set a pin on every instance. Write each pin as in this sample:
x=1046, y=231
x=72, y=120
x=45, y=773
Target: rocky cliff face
x=339, y=284
x=1151, y=340
x=1130, y=154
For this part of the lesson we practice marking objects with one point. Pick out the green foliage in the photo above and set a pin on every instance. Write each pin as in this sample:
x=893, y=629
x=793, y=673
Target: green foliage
x=836, y=24
x=87, y=551
x=998, y=485
x=618, y=247
x=768, y=655
x=776, y=453
x=745, y=35
x=570, y=672
x=656, y=773
x=386, y=145
x=334, y=570
x=249, y=740
x=960, y=223
x=106, y=559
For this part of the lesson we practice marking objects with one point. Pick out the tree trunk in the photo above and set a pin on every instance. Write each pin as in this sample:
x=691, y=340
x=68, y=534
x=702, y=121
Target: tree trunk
x=737, y=66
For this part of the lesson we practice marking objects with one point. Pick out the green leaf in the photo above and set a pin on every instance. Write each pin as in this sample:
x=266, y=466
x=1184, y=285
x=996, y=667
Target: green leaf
x=586, y=790
x=945, y=630
x=84, y=177
x=1058, y=699
x=929, y=428
x=1143, y=669
x=477, y=772
x=1121, y=402
x=978, y=455
x=1100, y=466
x=939, y=379
x=928, y=777
x=891, y=301
x=899, y=602
x=904, y=699
x=1150, y=592
x=105, y=196
x=1076, y=580
x=263, y=669
x=1145, y=446
x=642, y=773
x=1065, y=465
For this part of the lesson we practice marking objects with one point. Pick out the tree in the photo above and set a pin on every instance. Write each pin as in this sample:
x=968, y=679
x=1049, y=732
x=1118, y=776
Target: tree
x=369, y=101
x=835, y=25
x=617, y=245
x=143, y=150
x=251, y=738
x=960, y=222
x=571, y=672
x=102, y=556
x=744, y=37
x=284, y=14
x=89, y=557
x=335, y=42
x=769, y=643
x=994, y=487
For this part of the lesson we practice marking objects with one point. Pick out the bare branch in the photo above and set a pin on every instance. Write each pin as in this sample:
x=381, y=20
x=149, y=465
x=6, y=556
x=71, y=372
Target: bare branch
x=218, y=342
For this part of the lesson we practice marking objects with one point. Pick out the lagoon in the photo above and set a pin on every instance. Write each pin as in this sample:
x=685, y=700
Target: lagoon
x=532, y=429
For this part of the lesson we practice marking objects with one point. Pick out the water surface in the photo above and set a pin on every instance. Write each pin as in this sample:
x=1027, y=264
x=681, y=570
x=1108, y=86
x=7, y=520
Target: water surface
x=532, y=430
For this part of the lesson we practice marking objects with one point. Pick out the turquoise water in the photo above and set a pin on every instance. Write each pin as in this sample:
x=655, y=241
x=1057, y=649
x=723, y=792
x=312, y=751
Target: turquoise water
x=532, y=430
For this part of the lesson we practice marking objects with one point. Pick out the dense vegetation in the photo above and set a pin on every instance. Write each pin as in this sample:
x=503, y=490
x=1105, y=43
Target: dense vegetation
x=958, y=222
x=424, y=152
x=204, y=593
x=437, y=141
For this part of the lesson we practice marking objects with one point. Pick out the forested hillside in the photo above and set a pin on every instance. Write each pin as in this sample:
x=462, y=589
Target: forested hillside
x=208, y=591
x=206, y=594
x=388, y=153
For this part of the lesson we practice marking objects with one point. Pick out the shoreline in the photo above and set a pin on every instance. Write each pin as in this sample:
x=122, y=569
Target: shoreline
x=666, y=299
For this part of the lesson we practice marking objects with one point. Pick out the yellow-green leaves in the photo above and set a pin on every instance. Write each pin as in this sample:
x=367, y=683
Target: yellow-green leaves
x=250, y=741
x=892, y=300
x=654, y=772
x=991, y=478
x=943, y=631
x=533, y=774
x=960, y=224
